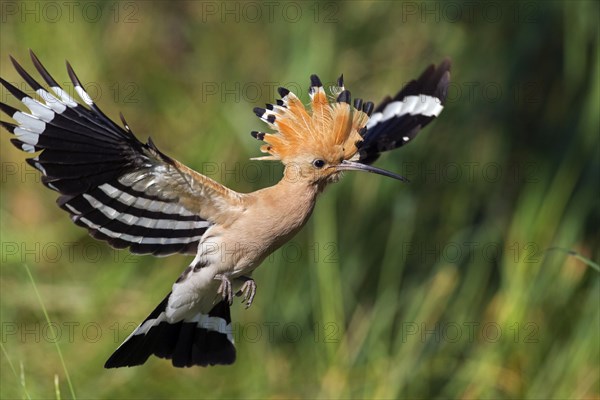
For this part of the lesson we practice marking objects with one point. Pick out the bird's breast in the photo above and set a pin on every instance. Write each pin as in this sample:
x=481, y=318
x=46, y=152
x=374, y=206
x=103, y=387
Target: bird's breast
x=269, y=221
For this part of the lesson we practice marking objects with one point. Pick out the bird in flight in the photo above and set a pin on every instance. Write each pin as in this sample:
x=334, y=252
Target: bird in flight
x=132, y=195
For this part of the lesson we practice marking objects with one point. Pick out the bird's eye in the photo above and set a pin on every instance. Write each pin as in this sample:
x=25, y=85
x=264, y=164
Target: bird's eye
x=318, y=163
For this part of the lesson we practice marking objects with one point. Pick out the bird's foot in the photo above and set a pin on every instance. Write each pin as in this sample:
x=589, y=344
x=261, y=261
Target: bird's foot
x=225, y=289
x=248, y=290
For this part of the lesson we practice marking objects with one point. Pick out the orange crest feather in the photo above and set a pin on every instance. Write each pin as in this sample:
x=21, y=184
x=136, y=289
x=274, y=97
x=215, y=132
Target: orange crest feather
x=326, y=128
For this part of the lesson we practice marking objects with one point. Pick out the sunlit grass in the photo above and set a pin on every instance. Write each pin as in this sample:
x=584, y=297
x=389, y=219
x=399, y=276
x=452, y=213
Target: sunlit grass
x=18, y=377
x=54, y=334
x=442, y=288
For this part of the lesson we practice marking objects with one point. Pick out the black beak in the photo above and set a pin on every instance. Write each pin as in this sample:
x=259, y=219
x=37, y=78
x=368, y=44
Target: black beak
x=354, y=166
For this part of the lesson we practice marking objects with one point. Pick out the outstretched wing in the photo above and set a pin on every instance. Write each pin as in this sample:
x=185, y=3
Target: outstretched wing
x=123, y=191
x=396, y=121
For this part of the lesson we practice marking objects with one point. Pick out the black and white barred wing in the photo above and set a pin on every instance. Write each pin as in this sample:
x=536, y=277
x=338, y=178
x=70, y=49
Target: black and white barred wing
x=123, y=191
x=396, y=121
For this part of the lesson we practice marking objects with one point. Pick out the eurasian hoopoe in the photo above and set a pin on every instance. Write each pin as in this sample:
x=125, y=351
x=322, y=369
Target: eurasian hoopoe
x=132, y=195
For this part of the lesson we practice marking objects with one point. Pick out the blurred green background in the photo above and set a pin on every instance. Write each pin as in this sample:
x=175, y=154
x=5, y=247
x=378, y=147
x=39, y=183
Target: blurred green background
x=449, y=287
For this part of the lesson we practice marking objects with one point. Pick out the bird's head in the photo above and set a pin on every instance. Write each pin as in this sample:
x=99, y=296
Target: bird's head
x=319, y=143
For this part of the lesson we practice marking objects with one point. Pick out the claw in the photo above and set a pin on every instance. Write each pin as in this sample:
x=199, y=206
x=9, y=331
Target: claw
x=225, y=289
x=248, y=290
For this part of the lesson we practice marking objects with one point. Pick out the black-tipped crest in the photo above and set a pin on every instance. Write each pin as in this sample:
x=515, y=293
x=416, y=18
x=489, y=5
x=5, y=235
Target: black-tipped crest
x=325, y=126
x=340, y=81
x=259, y=111
x=358, y=102
x=368, y=108
x=344, y=97
x=315, y=81
x=282, y=91
x=257, y=135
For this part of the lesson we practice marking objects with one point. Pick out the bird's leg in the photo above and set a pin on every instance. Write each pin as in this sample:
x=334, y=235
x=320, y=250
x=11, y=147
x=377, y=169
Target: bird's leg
x=248, y=290
x=225, y=289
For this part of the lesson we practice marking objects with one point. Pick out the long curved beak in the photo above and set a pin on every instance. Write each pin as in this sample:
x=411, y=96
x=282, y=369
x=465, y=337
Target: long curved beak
x=354, y=166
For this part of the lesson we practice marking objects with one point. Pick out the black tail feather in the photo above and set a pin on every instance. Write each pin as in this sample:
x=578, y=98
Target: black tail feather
x=200, y=340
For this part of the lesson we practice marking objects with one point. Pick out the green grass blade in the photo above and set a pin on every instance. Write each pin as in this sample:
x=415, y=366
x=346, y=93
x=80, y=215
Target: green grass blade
x=21, y=378
x=578, y=256
x=60, y=355
x=56, y=387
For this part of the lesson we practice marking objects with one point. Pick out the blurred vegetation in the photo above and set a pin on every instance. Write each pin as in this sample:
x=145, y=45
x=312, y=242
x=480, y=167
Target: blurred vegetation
x=448, y=287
